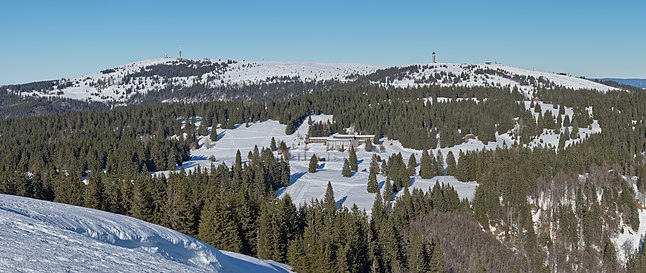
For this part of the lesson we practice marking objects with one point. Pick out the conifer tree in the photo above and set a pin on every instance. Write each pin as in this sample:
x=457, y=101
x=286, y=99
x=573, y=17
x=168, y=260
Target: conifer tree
x=314, y=162
x=372, y=176
x=353, y=158
x=439, y=163
x=179, y=211
x=388, y=191
x=296, y=255
x=237, y=165
x=214, y=133
x=346, y=171
x=377, y=208
x=412, y=164
x=219, y=226
x=272, y=146
x=419, y=256
x=328, y=200
x=451, y=168
x=94, y=192
x=142, y=201
x=425, y=168
x=437, y=262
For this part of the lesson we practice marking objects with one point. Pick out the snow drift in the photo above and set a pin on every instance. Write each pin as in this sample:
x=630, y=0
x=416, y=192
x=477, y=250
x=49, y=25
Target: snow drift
x=42, y=236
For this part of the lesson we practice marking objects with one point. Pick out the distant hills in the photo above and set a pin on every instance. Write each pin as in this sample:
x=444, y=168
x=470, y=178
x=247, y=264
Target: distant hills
x=186, y=80
x=639, y=83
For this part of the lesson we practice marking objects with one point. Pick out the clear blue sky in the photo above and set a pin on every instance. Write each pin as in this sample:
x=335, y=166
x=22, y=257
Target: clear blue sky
x=53, y=39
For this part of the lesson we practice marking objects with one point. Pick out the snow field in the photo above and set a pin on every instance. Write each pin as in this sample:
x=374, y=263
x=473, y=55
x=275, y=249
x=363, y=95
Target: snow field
x=43, y=236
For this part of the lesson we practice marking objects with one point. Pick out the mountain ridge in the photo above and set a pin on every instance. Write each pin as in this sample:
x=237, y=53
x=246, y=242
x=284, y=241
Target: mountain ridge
x=193, y=80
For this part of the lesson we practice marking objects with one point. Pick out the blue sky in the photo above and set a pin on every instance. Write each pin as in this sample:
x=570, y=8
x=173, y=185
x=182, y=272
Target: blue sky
x=53, y=39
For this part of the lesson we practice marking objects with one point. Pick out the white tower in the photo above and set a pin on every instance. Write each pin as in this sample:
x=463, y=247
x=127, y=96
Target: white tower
x=433, y=57
x=180, y=53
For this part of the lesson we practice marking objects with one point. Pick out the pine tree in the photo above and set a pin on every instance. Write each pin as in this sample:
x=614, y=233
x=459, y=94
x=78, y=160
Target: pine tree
x=412, y=164
x=272, y=146
x=179, y=211
x=388, y=191
x=219, y=226
x=378, y=208
x=328, y=200
x=142, y=201
x=479, y=208
x=419, y=254
x=346, y=171
x=353, y=159
x=94, y=192
x=451, y=168
x=214, y=133
x=439, y=163
x=314, y=162
x=297, y=256
x=425, y=168
x=437, y=263
x=237, y=166
x=372, y=176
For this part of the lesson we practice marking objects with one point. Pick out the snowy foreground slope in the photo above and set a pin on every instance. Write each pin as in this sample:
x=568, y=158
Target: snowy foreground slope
x=42, y=236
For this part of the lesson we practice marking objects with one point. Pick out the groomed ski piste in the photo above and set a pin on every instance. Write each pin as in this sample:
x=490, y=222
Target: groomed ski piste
x=43, y=236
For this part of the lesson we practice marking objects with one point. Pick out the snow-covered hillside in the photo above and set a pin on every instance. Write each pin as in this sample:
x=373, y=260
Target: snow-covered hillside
x=120, y=83
x=42, y=236
x=447, y=74
x=305, y=187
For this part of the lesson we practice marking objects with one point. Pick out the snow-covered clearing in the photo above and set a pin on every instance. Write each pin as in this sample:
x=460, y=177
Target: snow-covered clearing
x=42, y=236
x=304, y=186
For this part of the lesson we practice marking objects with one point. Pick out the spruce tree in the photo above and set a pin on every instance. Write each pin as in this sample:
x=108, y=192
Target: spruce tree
x=237, y=165
x=314, y=162
x=353, y=159
x=419, y=256
x=437, y=262
x=219, y=226
x=346, y=171
x=425, y=168
x=451, y=168
x=412, y=164
x=95, y=192
x=388, y=191
x=142, y=201
x=214, y=133
x=372, y=176
x=272, y=146
x=328, y=200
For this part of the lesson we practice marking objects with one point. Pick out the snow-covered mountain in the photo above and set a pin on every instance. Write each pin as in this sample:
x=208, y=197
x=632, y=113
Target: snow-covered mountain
x=499, y=75
x=121, y=83
x=185, y=79
x=41, y=236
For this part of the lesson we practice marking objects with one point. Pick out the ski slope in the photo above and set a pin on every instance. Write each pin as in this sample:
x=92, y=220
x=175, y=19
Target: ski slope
x=42, y=236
